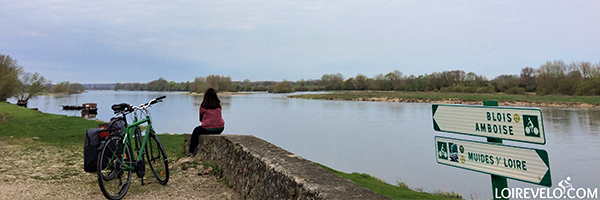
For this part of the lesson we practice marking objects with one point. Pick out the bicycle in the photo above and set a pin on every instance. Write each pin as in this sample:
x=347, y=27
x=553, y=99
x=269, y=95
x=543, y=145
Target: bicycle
x=117, y=161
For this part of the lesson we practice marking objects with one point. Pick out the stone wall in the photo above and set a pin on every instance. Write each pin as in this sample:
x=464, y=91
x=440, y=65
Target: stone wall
x=260, y=170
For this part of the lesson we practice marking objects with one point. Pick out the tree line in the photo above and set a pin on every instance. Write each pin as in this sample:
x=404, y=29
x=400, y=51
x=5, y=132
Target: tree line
x=551, y=78
x=200, y=84
x=15, y=82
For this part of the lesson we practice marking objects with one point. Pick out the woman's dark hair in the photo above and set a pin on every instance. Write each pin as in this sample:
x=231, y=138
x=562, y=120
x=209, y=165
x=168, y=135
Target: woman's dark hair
x=211, y=101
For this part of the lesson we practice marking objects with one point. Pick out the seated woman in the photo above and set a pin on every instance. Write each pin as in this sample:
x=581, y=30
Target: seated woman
x=210, y=117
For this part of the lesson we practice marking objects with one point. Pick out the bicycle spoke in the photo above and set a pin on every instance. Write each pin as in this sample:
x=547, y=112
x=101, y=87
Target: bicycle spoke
x=157, y=159
x=112, y=178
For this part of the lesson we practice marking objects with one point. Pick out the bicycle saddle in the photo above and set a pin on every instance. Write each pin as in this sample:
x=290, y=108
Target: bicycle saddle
x=120, y=107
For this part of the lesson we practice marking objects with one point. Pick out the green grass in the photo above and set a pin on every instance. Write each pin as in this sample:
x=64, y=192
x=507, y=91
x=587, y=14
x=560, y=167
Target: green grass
x=381, y=187
x=352, y=95
x=173, y=145
x=51, y=129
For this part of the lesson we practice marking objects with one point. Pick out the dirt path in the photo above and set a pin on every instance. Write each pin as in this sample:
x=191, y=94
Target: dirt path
x=48, y=172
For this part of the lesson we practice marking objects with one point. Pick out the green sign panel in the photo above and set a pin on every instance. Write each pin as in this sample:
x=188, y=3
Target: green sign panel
x=518, y=124
x=523, y=164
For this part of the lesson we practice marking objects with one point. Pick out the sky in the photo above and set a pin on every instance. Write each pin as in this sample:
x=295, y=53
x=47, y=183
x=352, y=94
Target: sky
x=139, y=41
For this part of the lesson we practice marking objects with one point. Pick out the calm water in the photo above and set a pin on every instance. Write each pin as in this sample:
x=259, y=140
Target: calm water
x=392, y=141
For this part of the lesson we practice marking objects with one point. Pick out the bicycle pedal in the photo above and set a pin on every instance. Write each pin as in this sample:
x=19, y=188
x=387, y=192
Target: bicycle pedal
x=147, y=183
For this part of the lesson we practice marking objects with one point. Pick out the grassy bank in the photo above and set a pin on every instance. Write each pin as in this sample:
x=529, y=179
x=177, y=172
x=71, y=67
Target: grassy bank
x=59, y=130
x=32, y=129
x=531, y=99
x=388, y=190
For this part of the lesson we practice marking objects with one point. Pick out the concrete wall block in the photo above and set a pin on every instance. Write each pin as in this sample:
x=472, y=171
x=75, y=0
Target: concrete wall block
x=260, y=170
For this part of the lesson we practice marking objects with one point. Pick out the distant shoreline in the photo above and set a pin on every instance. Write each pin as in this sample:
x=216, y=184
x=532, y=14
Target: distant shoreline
x=219, y=94
x=455, y=98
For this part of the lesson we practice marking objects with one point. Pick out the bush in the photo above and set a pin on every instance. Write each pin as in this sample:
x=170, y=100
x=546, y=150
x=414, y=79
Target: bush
x=457, y=88
x=515, y=90
x=589, y=87
x=283, y=87
x=314, y=88
x=470, y=89
x=484, y=90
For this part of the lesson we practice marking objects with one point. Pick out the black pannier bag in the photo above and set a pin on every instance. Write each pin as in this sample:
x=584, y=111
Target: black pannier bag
x=90, y=149
x=95, y=139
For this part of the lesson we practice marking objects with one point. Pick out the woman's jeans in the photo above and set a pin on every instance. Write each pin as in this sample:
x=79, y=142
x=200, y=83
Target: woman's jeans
x=201, y=131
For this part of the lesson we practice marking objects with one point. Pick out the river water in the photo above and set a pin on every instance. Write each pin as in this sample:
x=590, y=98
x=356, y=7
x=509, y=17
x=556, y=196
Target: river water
x=391, y=141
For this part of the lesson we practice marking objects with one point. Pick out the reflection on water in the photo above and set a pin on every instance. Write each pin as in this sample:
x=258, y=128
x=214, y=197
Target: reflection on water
x=571, y=120
x=392, y=141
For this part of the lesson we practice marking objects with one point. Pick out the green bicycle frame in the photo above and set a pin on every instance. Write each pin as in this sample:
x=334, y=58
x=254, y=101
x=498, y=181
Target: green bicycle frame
x=129, y=131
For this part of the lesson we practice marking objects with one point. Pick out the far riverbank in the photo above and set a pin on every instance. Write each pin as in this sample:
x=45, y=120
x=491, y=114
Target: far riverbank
x=529, y=100
x=220, y=93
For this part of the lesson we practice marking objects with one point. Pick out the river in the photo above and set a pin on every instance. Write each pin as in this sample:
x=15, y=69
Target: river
x=391, y=141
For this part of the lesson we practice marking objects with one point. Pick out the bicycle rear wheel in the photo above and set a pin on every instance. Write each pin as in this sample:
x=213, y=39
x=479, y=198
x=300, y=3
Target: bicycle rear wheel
x=112, y=178
x=157, y=158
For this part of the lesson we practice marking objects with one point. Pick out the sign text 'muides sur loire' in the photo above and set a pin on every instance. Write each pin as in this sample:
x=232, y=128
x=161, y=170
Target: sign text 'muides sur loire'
x=519, y=163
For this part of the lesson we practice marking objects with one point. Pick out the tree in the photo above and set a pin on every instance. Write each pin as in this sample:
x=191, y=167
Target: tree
x=67, y=87
x=76, y=88
x=348, y=84
x=225, y=84
x=158, y=85
x=282, y=87
x=393, y=81
x=360, y=82
x=527, y=79
x=332, y=81
x=247, y=85
x=219, y=83
x=505, y=82
x=9, y=77
x=418, y=83
x=549, y=77
x=199, y=85
x=32, y=85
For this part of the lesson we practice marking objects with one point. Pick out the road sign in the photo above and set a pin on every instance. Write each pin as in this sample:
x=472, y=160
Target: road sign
x=518, y=124
x=524, y=164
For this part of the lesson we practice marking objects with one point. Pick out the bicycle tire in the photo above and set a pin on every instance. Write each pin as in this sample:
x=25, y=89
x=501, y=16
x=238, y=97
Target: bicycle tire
x=110, y=175
x=157, y=159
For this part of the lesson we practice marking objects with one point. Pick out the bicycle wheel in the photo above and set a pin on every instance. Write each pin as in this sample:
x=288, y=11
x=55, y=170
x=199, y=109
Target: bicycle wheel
x=157, y=158
x=112, y=178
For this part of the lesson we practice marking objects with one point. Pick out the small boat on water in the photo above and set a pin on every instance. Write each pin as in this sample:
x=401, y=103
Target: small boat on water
x=86, y=107
x=72, y=107
x=91, y=108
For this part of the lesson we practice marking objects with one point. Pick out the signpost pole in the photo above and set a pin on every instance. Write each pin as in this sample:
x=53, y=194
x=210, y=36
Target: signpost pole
x=498, y=182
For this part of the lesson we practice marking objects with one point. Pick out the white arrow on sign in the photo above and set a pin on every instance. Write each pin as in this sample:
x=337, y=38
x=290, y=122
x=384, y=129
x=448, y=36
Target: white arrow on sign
x=518, y=124
x=524, y=164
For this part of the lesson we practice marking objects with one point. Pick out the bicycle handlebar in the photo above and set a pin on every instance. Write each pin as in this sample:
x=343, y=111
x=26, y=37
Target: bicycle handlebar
x=129, y=108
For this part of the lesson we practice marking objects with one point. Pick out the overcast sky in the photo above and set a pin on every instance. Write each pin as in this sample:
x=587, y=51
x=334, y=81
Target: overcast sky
x=140, y=41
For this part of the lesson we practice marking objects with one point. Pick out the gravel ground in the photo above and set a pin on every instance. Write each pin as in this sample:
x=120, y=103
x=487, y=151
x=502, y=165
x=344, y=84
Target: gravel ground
x=28, y=171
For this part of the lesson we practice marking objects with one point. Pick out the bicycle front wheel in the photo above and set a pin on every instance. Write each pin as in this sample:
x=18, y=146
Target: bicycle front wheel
x=157, y=158
x=113, y=179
